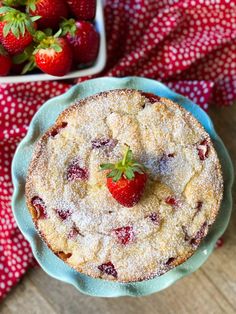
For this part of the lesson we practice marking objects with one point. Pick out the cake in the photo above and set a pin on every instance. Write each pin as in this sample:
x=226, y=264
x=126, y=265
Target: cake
x=76, y=215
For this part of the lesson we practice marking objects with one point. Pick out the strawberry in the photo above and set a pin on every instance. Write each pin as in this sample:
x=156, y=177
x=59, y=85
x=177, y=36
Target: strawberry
x=124, y=235
x=76, y=172
x=83, y=38
x=74, y=232
x=83, y=9
x=50, y=11
x=126, y=179
x=16, y=29
x=172, y=201
x=39, y=207
x=53, y=56
x=203, y=150
x=5, y=61
x=56, y=130
x=63, y=214
x=108, y=268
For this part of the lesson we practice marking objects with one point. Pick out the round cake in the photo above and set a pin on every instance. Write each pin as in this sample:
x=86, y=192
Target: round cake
x=77, y=216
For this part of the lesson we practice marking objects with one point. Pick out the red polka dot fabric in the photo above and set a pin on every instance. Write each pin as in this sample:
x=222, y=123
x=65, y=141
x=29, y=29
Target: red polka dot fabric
x=190, y=45
x=18, y=104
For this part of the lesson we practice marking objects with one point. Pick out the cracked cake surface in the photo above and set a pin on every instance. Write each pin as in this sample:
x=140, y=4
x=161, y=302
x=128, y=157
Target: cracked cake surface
x=76, y=215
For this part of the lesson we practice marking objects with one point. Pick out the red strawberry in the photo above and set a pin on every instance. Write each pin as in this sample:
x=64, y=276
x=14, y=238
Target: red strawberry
x=74, y=232
x=203, y=150
x=63, y=214
x=83, y=9
x=16, y=29
x=152, y=98
x=50, y=11
x=56, y=130
x=126, y=180
x=76, y=172
x=108, y=268
x=172, y=201
x=39, y=206
x=83, y=38
x=124, y=235
x=53, y=56
x=5, y=62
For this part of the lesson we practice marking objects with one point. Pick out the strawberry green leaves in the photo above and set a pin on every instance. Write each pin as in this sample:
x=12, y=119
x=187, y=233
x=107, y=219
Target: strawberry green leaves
x=31, y=5
x=29, y=66
x=7, y=29
x=4, y=10
x=68, y=27
x=129, y=173
x=126, y=167
x=115, y=174
x=48, y=42
x=16, y=22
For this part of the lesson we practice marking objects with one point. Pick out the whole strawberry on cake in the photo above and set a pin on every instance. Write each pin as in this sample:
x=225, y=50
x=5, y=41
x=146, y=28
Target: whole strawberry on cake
x=124, y=186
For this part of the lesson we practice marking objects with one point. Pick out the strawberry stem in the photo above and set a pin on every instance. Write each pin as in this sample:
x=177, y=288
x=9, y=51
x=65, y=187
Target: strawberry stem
x=68, y=27
x=125, y=155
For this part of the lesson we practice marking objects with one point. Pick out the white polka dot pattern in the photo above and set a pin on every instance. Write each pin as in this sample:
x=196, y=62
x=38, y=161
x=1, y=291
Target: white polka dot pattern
x=18, y=103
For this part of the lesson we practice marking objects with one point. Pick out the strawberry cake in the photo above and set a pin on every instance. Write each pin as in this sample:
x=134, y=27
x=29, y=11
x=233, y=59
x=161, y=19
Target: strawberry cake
x=124, y=186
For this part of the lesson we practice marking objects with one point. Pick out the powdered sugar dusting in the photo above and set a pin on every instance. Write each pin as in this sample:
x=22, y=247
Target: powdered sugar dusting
x=86, y=223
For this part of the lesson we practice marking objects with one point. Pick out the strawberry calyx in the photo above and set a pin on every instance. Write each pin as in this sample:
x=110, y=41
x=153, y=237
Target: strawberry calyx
x=17, y=22
x=47, y=42
x=68, y=27
x=47, y=32
x=126, y=167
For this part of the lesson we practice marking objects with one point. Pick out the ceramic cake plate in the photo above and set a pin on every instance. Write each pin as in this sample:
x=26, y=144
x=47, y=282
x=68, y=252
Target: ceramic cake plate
x=50, y=263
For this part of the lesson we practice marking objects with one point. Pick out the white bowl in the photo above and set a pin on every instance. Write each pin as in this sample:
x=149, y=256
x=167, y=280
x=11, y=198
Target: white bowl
x=95, y=68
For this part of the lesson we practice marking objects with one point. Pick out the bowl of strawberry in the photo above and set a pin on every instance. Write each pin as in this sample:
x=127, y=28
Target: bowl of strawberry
x=48, y=39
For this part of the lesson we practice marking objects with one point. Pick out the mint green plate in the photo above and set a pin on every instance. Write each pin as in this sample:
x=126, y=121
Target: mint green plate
x=55, y=267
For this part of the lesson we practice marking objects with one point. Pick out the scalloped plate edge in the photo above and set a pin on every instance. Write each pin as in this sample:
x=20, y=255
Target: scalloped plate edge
x=140, y=288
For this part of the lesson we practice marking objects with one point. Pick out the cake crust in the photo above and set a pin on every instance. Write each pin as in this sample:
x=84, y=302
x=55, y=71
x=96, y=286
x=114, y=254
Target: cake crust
x=76, y=216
